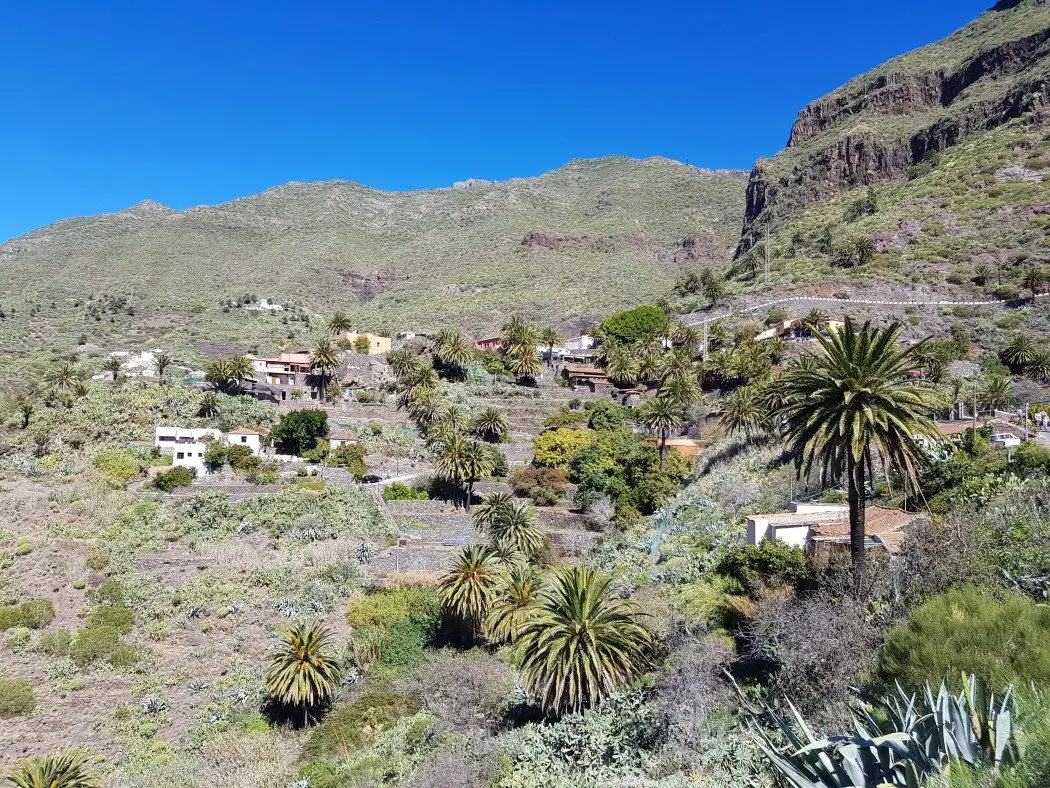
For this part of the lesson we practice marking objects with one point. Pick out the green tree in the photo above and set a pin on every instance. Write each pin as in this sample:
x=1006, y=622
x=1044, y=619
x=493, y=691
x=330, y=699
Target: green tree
x=69, y=769
x=744, y=411
x=662, y=416
x=1033, y=280
x=635, y=325
x=113, y=367
x=490, y=425
x=858, y=397
x=339, y=323
x=304, y=670
x=525, y=366
x=299, y=431
x=555, y=448
x=467, y=589
x=161, y=363
x=550, y=337
x=209, y=407
x=582, y=643
x=1019, y=352
x=513, y=603
x=323, y=362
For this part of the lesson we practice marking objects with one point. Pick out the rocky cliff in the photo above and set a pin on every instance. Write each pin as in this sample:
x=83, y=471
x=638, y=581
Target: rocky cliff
x=879, y=125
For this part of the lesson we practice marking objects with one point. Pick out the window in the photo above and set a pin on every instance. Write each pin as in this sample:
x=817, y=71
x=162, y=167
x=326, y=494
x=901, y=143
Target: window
x=244, y=439
x=180, y=456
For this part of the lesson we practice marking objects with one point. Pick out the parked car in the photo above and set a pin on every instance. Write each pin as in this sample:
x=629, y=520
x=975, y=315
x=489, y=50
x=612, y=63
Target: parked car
x=1004, y=440
x=371, y=479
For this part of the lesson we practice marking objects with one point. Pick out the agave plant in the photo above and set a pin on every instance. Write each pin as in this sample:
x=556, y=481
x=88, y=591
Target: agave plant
x=900, y=740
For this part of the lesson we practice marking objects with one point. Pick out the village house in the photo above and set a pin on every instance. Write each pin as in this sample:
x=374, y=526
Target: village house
x=376, y=344
x=275, y=378
x=686, y=447
x=246, y=436
x=821, y=528
x=489, y=345
x=795, y=329
x=187, y=445
x=589, y=377
x=341, y=438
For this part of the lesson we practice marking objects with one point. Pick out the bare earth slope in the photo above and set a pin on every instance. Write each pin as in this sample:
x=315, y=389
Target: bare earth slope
x=589, y=237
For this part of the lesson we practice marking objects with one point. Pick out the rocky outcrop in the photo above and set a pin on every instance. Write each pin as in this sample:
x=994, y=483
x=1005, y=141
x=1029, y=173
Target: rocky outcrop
x=553, y=243
x=1013, y=85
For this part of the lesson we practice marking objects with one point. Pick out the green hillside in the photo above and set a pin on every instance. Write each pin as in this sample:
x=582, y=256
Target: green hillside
x=575, y=243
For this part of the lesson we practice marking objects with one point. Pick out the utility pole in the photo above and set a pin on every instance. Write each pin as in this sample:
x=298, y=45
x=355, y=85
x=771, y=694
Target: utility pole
x=767, y=256
x=1026, y=420
x=705, y=340
x=975, y=402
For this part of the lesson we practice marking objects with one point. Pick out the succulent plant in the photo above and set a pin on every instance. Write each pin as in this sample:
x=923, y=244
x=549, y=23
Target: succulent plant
x=153, y=705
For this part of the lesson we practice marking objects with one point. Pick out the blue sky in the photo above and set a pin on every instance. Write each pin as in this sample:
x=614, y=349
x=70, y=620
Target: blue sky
x=108, y=103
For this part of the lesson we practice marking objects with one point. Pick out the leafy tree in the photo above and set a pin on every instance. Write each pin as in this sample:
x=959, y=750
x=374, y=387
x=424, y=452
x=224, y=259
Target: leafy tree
x=468, y=587
x=606, y=415
x=304, y=670
x=113, y=367
x=662, y=416
x=161, y=363
x=856, y=398
x=298, y=431
x=69, y=769
x=555, y=448
x=582, y=643
x=550, y=337
x=490, y=425
x=635, y=325
x=323, y=362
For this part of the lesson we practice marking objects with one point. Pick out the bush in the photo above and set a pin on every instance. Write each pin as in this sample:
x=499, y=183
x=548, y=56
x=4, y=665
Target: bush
x=166, y=481
x=402, y=492
x=400, y=624
x=118, y=618
x=100, y=643
x=35, y=614
x=111, y=592
x=556, y=448
x=383, y=608
x=564, y=418
x=356, y=723
x=118, y=466
x=607, y=416
x=545, y=486
x=16, y=698
x=55, y=643
x=967, y=630
x=97, y=560
x=216, y=454
x=772, y=564
x=299, y=431
x=350, y=457
x=635, y=325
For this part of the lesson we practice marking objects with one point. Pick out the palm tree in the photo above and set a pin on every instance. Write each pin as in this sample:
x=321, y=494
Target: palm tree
x=714, y=287
x=425, y=406
x=582, y=643
x=452, y=350
x=304, y=671
x=525, y=365
x=339, y=323
x=748, y=265
x=864, y=249
x=858, y=397
x=744, y=412
x=69, y=769
x=513, y=603
x=688, y=338
x=463, y=462
x=220, y=375
x=651, y=360
x=661, y=416
x=981, y=274
x=242, y=370
x=323, y=361
x=468, y=587
x=1033, y=280
x=996, y=392
x=550, y=337
x=682, y=389
x=402, y=361
x=490, y=425
x=22, y=403
x=209, y=407
x=1020, y=351
x=161, y=363
x=492, y=508
x=515, y=529
x=1039, y=367
x=63, y=377
x=621, y=365
x=519, y=336
x=113, y=367
x=815, y=320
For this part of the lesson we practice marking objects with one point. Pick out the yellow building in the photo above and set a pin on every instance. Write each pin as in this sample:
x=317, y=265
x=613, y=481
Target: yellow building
x=376, y=343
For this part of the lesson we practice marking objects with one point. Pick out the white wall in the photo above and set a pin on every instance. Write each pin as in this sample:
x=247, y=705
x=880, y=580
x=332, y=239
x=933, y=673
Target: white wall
x=253, y=442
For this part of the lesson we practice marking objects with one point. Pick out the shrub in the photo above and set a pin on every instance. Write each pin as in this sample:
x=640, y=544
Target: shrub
x=35, y=614
x=299, y=431
x=356, y=723
x=16, y=698
x=118, y=618
x=118, y=466
x=564, y=418
x=97, y=559
x=635, y=325
x=556, y=448
x=166, y=481
x=54, y=643
x=966, y=630
x=607, y=416
x=216, y=454
x=770, y=564
x=385, y=607
x=399, y=623
x=545, y=486
x=111, y=592
x=100, y=643
x=402, y=492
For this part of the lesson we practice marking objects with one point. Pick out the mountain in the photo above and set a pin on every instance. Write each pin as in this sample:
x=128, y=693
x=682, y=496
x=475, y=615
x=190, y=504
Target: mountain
x=578, y=242
x=939, y=157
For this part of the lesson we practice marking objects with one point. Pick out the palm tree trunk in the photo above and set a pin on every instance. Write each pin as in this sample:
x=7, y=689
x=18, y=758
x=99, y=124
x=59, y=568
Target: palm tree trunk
x=857, y=536
x=663, y=448
x=470, y=494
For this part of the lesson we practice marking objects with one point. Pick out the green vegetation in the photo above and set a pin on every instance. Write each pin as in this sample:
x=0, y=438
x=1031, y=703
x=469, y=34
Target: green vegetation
x=16, y=698
x=35, y=614
x=298, y=432
x=303, y=671
x=70, y=769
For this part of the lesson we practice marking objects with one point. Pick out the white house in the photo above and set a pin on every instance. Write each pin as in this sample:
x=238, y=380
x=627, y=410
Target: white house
x=245, y=436
x=582, y=342
x=341, y=438
x=793, y=526
x=819, y=527
x=186, y=446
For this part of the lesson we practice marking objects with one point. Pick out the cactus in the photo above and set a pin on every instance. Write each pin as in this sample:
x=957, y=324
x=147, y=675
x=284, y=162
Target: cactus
x=899, y=740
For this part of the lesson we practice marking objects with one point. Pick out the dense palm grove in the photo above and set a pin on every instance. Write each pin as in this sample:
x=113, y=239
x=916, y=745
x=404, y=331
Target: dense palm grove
x=663, y=650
